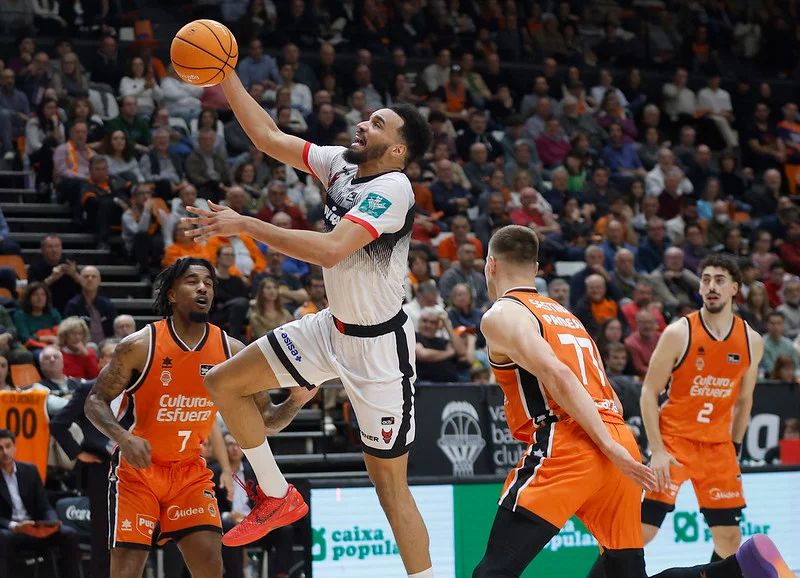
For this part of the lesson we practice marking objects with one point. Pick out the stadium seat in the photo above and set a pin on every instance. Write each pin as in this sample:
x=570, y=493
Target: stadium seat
x=24, y=375
x=16, y=263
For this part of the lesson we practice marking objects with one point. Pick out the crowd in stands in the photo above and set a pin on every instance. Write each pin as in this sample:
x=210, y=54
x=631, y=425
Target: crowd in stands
x=628, y=183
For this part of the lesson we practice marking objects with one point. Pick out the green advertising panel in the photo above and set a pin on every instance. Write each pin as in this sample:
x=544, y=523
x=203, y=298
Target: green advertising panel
x=568, y=555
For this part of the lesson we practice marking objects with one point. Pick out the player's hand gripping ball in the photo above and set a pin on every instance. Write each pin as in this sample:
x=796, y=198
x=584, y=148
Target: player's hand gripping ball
x=204, y=52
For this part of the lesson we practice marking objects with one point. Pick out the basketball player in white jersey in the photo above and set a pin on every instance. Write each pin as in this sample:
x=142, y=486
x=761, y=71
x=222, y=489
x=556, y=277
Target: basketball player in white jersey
x=364, y=338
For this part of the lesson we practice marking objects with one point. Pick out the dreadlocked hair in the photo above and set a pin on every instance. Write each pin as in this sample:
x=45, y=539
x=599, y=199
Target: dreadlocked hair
x=167, y=277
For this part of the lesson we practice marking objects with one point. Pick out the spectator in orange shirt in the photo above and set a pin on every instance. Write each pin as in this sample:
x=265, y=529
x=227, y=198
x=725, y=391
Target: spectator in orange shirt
x=182, y=246
x=595, y=307
x=317, y=301
x=422, y=194
x=448, y=248
x=249, y=259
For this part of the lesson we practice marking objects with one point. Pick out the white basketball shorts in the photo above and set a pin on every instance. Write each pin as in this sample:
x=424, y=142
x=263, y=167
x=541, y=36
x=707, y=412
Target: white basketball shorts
x=374, y=363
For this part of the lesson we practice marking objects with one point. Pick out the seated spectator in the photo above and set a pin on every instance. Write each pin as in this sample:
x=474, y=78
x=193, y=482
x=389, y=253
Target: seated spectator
x=236, y=198
x=317, y=300
x=80, y=362
x=463, y=271
x=105, y=67
x=325, y=125
x=776, y=344
x=140, y=236
x=258, y=68
x=419, y=271
x=124, y=325
x=558, y=291
x=56, y=271
x=10, y=347
x=8, y=246
x=288, y=118
x=180, y=98
x=44, y=133
x=650, y=254
x=277, y=202
x=495, y=212
x=789, y=251
x=5, y=381
x=680, y=285
x=599, y=194
x=29, y=505
x=694, y=247
x=552, y=144
x=477, y=132
x=268, y=311
x=457, y=98
x=611, y=112
x=70, y=81
x=595, y=307
x=525, y=159
x=207, y=171
x=246, y=176
x=290, y=287
x=81, y=110
x=614, y=242
x=187, y=197
x=37, y=319
x=464, y=317
x=756, y=309
x=447, y=250
x=448, y=196
x=595, y=265
x=714, y=103
x=162, y=167
x=702, y=168
x=438, y=358
x=209, y=119
x=231, y=302
x=676, y=226
x=478, y=169
x=534, y=212
x=426, y=295
x=36, y=78
x=719, y=225
x=182, y=246
x=654, y=181
x=249, y=259
x=142, y=85
x=97, y=311
x=134, y=126
x=643, y=299
x=642, y=342
x=615, y=359
x=774, y=284
x=790, y=309
x=15, y=110
x=620, y=156
x=119, y=153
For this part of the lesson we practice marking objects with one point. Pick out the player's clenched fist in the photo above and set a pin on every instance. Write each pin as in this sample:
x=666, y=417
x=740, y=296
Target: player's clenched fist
x=136, y=452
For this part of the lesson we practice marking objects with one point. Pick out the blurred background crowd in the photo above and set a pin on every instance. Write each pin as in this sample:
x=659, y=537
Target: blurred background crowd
x=634, y=136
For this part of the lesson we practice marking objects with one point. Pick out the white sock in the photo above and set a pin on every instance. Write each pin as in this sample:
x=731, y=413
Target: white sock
x=424, y=574
x=268, y=474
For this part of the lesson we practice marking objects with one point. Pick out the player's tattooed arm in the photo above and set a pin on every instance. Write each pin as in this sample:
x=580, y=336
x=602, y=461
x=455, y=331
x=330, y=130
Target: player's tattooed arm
x=277, y=416
x=129, y=357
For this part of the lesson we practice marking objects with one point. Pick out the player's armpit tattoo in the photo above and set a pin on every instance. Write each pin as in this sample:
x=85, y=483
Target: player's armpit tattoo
x=115, y=376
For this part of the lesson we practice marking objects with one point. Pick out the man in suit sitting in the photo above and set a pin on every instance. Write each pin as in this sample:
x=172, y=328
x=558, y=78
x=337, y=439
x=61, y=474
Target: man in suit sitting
x=23, y=502
x=234, y=509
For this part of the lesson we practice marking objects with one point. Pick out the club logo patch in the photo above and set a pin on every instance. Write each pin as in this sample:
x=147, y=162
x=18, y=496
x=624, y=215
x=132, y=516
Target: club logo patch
x=166, y=378
x=387, y=435
x=374, y=205
x=387, y=421
x=734, y=358
x=205, y=368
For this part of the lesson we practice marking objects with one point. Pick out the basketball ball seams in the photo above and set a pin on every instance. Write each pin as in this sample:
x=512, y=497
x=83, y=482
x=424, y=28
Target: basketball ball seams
x=201, y=49
x=193, y=37
x=214, y=34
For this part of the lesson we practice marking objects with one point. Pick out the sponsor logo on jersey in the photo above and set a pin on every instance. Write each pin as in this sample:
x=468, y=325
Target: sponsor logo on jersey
x=212, y=509
x=176, y=513
x=205, y=368
x=387, y=435
x=174, y=408
x=701, y=351
x=126, y=526
x=331, y=216
x=166, y=363
x=208, y=494
x=146, y=525
x=368, y=437
x=711, y=386
x=734, y=358
x=374, y=205
x=387, y=421
x=717, y=494
x=290, y=346
x=166, y=378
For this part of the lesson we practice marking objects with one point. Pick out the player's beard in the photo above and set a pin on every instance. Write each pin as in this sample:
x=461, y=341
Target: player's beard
x=368, y=153
x=719, y=307
x=198, y=317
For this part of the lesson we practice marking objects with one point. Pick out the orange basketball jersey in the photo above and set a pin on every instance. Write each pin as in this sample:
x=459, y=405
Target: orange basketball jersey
x=167, y=404
x=705, y=383
x=528, y=405
x=25, y=413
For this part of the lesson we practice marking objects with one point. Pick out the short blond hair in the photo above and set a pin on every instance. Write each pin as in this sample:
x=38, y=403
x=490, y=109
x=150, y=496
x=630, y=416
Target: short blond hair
x=70, y=324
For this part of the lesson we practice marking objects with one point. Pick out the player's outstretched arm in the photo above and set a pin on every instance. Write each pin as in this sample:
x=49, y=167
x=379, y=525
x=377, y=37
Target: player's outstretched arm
x=324, y=249
x=260, y=127
x=128, y=359
x=744, y=403
x=511, y=330
x=668, y=351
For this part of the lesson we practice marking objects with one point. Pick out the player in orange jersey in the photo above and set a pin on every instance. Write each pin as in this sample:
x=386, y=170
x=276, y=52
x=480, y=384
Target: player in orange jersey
x=581, y=458
x=160, y=487
x=704, y=370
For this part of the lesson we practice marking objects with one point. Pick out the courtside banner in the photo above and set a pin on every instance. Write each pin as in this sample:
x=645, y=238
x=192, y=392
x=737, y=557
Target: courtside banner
x=351, y=537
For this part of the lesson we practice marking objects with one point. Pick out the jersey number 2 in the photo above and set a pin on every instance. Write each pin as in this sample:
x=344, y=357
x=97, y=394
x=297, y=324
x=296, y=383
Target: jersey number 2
x=185, y=434
x=702, y=415
x=582, y=344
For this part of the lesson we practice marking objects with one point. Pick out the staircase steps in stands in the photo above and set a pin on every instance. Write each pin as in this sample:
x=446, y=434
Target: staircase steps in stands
x=35, y=209
x=15, y=195
x=71, y=241
x=41, y=225
x=127, y=289
x=83, y=256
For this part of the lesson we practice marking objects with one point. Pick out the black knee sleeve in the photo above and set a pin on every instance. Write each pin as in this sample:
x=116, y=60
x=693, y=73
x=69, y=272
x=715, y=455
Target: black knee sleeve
x=722, y=516
x=624, y=563
x=653, y=512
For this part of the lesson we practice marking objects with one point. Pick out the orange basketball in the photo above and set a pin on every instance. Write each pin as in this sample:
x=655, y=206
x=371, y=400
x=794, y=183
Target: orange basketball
x=204, y=52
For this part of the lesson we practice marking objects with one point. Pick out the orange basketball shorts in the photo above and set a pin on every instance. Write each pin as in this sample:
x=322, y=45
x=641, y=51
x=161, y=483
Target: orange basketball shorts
x=564, y=473
x=713, y=470
x=161, y=503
